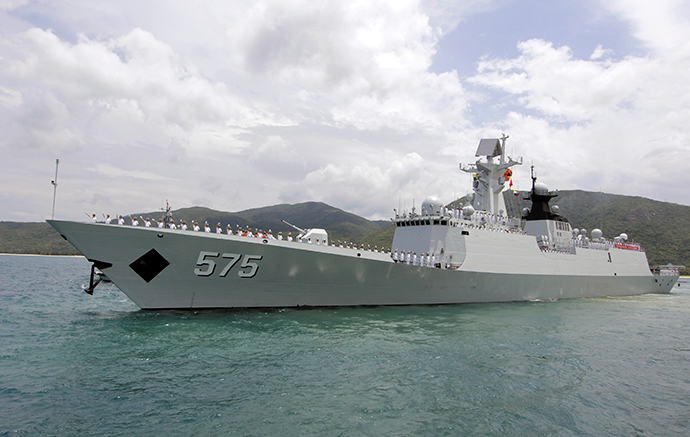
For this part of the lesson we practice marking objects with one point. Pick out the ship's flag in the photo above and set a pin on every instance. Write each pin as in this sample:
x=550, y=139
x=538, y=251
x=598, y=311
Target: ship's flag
x=507, y=176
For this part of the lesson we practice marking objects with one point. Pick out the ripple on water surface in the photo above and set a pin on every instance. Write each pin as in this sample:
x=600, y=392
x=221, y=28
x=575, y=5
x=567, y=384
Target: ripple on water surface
x=77, y=364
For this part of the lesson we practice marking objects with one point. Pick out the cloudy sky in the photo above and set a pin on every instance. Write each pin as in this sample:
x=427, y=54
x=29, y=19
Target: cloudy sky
x=359, y=104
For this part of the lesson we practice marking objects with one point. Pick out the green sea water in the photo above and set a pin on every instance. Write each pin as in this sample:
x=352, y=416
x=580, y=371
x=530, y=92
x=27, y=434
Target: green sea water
x=73, y=364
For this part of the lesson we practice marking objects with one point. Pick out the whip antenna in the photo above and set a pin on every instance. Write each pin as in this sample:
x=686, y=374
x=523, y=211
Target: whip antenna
x=54, y=182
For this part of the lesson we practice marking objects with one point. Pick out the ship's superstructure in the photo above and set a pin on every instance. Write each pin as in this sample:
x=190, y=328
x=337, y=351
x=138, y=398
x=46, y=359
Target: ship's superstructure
x=442, y=255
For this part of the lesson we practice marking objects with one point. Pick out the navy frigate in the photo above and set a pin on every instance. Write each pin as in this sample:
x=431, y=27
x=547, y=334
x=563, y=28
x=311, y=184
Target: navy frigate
x=439, y=255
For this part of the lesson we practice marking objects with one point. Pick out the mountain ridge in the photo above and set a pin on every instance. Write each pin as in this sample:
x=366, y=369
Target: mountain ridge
x=662, y=228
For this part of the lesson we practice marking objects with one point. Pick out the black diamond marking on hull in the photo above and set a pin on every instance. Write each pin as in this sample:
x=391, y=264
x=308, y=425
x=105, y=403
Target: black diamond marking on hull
x=149, y=265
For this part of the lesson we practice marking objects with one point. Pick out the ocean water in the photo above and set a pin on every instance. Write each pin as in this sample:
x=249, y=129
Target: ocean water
x=73, y=364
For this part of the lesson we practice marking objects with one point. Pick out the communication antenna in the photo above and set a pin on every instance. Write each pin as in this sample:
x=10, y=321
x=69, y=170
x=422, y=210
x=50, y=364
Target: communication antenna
x=54, y=182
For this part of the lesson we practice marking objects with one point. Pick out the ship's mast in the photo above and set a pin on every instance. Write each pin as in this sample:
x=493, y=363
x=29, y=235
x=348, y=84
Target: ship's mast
x=489, y=176
x=54, y=182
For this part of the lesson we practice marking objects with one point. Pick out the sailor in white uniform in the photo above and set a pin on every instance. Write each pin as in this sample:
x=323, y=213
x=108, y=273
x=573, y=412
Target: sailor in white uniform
x=207, y=228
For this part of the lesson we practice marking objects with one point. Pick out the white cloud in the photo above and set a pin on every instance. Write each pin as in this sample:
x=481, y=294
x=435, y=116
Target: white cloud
x=550, y=81
x=597, y=124
x=661, y=25
x=237, y=105
x=363, y=188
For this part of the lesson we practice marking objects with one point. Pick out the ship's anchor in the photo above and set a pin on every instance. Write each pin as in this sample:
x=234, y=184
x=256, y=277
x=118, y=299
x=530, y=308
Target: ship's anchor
x=96, y=275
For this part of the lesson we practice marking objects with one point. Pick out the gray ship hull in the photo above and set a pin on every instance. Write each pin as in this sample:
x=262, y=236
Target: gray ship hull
x=174, y=269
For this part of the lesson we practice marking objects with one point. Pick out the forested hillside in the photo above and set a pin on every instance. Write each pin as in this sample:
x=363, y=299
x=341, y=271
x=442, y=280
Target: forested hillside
x=663, y=229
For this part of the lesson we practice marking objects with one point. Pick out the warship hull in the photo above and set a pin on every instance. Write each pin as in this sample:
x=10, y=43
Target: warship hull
x=175, y=269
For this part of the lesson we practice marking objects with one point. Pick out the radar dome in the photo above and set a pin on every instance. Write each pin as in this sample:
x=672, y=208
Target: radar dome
x=432, y=206
x=541, y=189
x=525, y=212
x=468, y=210
x=596, y=234
x=576, y=231
x=555, y=209
x=624, y=237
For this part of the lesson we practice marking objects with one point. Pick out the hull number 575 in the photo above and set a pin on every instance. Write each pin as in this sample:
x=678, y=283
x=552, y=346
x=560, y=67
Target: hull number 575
x=207, y=262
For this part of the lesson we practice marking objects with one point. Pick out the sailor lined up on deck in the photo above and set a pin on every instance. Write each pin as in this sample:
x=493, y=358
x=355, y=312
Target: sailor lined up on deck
x=410, y=258
x=245, y=232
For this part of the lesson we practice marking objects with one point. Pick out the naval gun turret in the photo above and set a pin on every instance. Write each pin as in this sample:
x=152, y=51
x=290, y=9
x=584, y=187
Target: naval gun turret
x=310, y=235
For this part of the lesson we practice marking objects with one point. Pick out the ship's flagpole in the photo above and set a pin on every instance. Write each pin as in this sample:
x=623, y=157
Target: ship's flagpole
x=54, y=182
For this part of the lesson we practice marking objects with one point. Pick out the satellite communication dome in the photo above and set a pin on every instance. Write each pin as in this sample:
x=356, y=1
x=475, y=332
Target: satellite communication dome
x=541, y=189
x=576, y=231
x=555, y=209
x=432, y=206
x=583, y=231
x=624, y=236
x=596, y=234
x=468, y=210
x=525, y=212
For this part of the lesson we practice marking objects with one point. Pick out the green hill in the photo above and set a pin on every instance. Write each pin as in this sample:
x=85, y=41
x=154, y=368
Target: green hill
x=663, y=229
x=340, y=225
x=33, y=238
x=40, y=238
